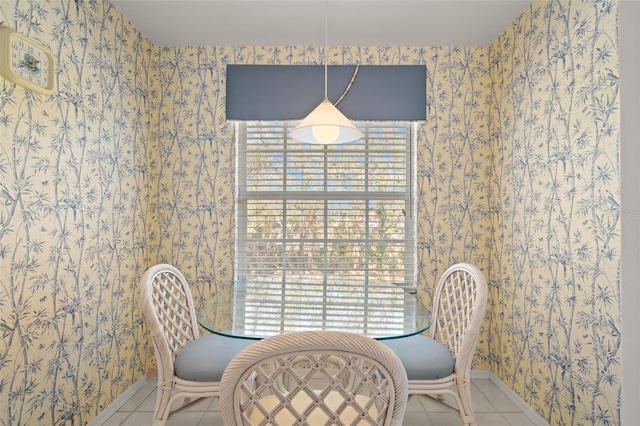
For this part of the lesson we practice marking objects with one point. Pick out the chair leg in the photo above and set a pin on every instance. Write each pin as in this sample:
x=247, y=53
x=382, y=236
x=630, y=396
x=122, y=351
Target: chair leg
x=161, y=412
x=466, y=409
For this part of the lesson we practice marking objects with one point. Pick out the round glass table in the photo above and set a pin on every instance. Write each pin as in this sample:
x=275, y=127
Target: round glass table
x=258, y=310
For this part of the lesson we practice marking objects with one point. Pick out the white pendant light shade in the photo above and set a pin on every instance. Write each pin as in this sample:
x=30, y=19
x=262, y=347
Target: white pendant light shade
x=326, y=125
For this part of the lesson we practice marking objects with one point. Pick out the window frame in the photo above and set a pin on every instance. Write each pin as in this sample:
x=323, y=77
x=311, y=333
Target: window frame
x=243, y=196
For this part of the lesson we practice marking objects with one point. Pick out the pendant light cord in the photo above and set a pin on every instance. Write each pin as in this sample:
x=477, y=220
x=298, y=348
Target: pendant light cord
x=353, y=78
x=326, y=37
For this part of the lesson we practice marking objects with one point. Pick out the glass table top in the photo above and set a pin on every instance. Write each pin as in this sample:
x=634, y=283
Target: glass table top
x=254, y=311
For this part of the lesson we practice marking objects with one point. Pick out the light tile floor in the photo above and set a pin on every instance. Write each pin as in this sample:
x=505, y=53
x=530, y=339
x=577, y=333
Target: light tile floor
x=493, y=408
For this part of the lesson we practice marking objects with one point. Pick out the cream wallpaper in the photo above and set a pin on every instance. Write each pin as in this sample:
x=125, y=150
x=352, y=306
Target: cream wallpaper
x=554, y=320
x=73, y=216
x=131, y=162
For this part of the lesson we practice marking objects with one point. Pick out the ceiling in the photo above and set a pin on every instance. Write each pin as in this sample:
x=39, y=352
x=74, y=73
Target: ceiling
x=430, y=23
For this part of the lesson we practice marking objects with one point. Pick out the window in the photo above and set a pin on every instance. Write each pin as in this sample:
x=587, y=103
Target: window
x=311, y=218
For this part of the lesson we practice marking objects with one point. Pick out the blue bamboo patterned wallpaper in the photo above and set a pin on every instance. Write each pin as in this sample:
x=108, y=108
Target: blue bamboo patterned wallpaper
x=554, y=321
x=131, y=162
x=73, y=216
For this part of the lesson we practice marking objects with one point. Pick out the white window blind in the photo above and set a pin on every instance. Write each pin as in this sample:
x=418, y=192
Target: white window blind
x=312, y=218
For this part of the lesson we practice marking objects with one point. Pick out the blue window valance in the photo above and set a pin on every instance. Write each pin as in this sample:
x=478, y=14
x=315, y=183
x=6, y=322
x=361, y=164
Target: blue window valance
x=290, y=92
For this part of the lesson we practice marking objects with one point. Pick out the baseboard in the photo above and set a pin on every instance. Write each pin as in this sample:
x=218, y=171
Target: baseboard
x=112, y=408
x=524, y=407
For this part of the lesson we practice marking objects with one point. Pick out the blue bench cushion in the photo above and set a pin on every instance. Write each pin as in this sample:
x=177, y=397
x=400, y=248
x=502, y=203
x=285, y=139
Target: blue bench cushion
x=205, y=359
x=423, y=357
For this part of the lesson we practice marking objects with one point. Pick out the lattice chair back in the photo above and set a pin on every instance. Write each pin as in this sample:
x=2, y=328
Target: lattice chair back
x=314, y=378
x=168, y=308
x=458, y=308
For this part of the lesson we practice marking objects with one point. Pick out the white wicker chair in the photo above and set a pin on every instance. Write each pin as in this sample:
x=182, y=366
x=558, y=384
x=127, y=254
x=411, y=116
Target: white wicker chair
x=189, y=366
x=441, y=363
x=314, y=378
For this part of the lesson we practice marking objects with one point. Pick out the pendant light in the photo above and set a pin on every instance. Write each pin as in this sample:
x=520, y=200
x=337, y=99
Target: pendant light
x=326, y=125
